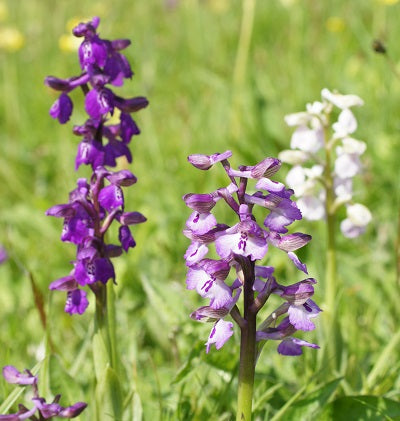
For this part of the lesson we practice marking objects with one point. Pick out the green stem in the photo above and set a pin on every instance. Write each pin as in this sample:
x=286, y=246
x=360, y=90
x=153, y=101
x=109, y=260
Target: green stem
x=112, y=325
x=101, y=317
x=247, y=345
x=247, y=369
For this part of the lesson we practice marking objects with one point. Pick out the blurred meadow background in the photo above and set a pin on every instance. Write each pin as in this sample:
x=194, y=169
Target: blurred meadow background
x=219, y=75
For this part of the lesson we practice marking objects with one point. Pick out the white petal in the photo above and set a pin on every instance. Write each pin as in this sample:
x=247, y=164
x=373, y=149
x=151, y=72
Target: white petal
x=353, y=146
x=297, y=119
x=341, y=101
x=345, y=125
x=349, y=230
x=311, y=208
x=307, y=140
x=219, y=334
x=293, y=157
x=295, y=178
x=343, y=188
x=316, y=107
x=347, y=166
x=359, y=215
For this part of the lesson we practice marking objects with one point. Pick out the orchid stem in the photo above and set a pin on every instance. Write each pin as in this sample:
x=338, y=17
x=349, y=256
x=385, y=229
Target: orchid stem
x=247, y=349
x=111, y=322
x=101, y=317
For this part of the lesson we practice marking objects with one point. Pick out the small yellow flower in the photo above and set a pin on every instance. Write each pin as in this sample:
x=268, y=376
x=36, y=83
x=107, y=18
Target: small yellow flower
x=218, y=6
x=68, y=43
x=388, y=2
x=3, y=11
x=335, y=24
x=11, y=39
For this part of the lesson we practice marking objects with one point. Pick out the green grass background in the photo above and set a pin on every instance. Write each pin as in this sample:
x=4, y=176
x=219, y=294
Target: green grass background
x=204, y=97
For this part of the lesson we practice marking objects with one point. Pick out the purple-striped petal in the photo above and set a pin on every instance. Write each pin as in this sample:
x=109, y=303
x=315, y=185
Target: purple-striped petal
x=220, y=333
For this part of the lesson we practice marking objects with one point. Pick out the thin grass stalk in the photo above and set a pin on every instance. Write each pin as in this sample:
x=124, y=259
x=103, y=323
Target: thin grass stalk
x=239, y=71
x=333, y=335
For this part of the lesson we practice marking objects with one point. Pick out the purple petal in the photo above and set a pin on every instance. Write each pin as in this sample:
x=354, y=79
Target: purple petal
x=125, y=237
x=76, y=302
x=245, y=238
x=204, y=162
x=47, y=410
x=122, y=178
x=301, y=266
x=130, y=105
x=73, y=410
x=111, y=197
x=208, y=314
x=75, y=230
x=298, y=293
x=300, y=315
x=13, y=376
x=132, y=218
x=293, y=241
x=92, y=52
x=201, y=223
x=99, y=103
x=90, y=153
x=202, y=203
x=62, y=211
x=62, y=108
x=220, y=333
x=195, y=252
x=3, y=254
x=216, y=290
x=66, y=283
x=292, y=346
x=128, y=127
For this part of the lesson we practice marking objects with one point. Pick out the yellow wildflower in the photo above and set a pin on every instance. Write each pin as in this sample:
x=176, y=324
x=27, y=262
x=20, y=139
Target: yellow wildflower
x=335, y=24
x=388, y=2
x=11, y=39
x=3, y=11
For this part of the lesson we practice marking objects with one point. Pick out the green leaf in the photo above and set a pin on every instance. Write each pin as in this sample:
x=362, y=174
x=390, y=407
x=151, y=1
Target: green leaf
x=371, y=408
x=186, y=368
x=108, y=397
x=313, y=403
x=11, y=399
x=100, y=355
x=61, y=382
x=383, y=364
x=137, y=409
x=265, y=396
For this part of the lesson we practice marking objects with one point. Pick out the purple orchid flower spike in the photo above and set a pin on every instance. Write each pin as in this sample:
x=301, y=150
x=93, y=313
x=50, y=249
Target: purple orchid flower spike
x=240, y=247
x=40, y=410
x=96, y=203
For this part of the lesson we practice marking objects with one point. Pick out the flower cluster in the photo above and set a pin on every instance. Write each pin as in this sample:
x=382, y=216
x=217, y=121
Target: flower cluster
x=313, y=134
x=40, y=410
x=97, y=202
x=239, y=247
